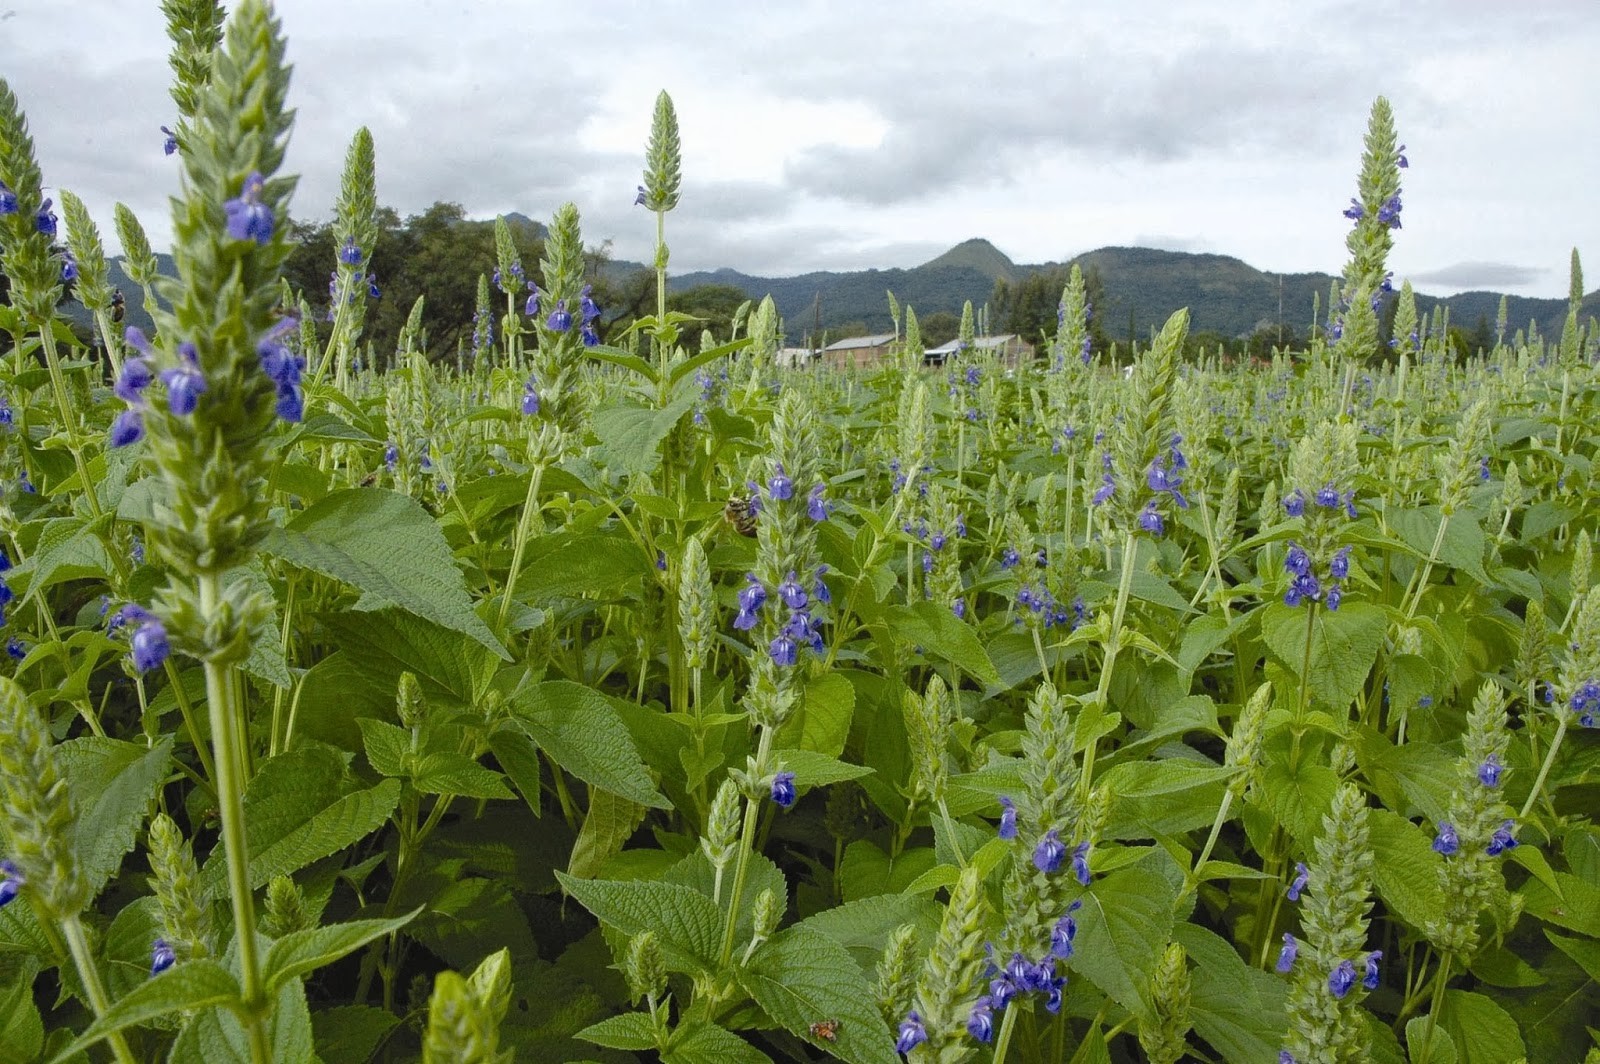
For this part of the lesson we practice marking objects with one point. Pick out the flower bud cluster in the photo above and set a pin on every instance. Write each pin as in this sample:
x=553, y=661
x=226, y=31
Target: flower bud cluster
x=37, y=821
x=185, y=909
x=938, y=1021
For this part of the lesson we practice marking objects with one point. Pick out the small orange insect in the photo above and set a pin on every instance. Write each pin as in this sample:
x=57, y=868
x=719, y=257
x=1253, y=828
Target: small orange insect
x=827, y=1030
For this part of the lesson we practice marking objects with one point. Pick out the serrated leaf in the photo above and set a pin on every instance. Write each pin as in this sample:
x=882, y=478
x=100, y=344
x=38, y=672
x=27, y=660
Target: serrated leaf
x=1236, y=1008
x=593, y=562
x=1344, y=645
x=519, y=759
x=388, y=546
x=1441, y=1047
x=867, y=923
x=1124, y=927
x=218, y=1037
x=941, y=634
x=1483, y=1032
x=822, y=720
x=192, y=986
x=21, y=1028
x=114, y=783
x=450, y=666
x=688, y=924
x=800, y=977
x=631, y=1030
x=448, y=772
x=813, y=769
x=69, y=548
x=1405, y=869
x=607, y=826
x=631, y=434
x=386, y=746
x=583, y=734
x=706, y=1043
x=348, y=1034
x=302, y=952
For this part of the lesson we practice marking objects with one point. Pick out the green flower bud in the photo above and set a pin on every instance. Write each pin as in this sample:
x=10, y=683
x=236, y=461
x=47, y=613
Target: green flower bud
x=644, y=968
x=953, y=967
x=898, y=969
x=697, y=606
x=35, y=809
x=286, y=909
x=1243, y=749
x=721, y=840
x=410, y=703
x=663, y=172
x=185, y=910
x=1163, y=1035
x=928, y=720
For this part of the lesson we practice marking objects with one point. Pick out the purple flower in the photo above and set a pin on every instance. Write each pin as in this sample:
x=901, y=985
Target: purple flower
x=821, y=589
x=1447, y=842
x=10, y=882
x=8, y=200
x=161, y=957
x=1327, y=496
x=1294, y=504
x=783, y=650
x=350, y=252
x=1107, y=488
x=780, y=487
x=169, y=145
x=911, y=1034
x=1009, y=558
x=639, y=200
x=1080, y=862
x=45, y=220
x=1008, y=818
x=149, y=645
x=1333, y=599
x=290, y=405
x=1502, y=839
x=980, y=1022
x=531, y=307
x=792, y=594
x=1370, y=980
x=1050, y=852
x=135, y=377
x=1339, y=567
x=1001, y=991
x=69, y=269
x=1064, y=933
x=16, y=648
x=938, y=540
x=530, y=398
x=588, y=309
x=1355, y=210
x=817, y=508
x=1150, y=519
x=560, y=320
x=1302, y=875
x=1389, y=213
x=1286, y=1057
x=1341, y=979
x=247, y=217
x=128, y=428
x=1287, y=955
x=927, y=561
x=1296, y=561
x=1401, y=160
x=588, y=336
x=391, y=455
x=1489, y=771
x=783, y=794
x=186, y=383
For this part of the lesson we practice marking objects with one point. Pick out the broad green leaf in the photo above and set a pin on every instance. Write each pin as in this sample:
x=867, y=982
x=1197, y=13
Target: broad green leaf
x=1463, y=543
x=1576, y=907
x=582, y=733
x=1441, y=1047
x=1124, y=927
x=761, y=874
x=1584, y=952
x=1142, y=779
x=1344, y=645
x=607, y=826
x=631, y=1030
x=114, y=784
x=21, y=1029
x=631, y=434
x=69, y=548
x=822, y=720
x=348, y=1034
x=266, y=661
x=218, y=1037
x=519, y=759
x=801, y=977
x=1405, y=869
x=386, y=545
x=706, y=1043
x=1483, y=1032
x=386, y=746
x=190, y=986
x=1500, y=967
x=812, y=769
x=866, y=870
x=688, y=924
x=592, y=562
x=448, y=772
x=1299, y=799
x=450, y=667
x=1235, y=1007
x=867, y=923
x=302, y=952
x=941, y=634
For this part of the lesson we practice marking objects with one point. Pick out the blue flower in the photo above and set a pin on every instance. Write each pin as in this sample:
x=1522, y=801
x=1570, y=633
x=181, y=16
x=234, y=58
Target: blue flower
x=1502, y=839
x=11, y=883
x=135, y=377
x=1400, y=158
x=911, y=1034
x=69, y=269
x=1163, y=477
x=1447, y=842
x=1339, y=567
x=149, y=645
x=980, y=1022
x=1389, y=213
x=1294, y=504
x=587, y=307
x=1333, y=599
x=1287, y=955
x=1286, y=1057
x=817, y=508
x=530, y=398
x=589, y=337
x=1008, y=818
x=780, y=487
x=792, y=594
x=290, y=404
x=1296, y=561
x=169, y=145
x=531, y=307
x=1050, y=852
x=783, y=794
x=1327, y=496
x=16, y=648
x=1302, y=875
x=391, y=455
x=247, y=217
x=1064, y=933
x=1355, y=210
x=350, y=252
x=820, y=589
x=639, y=200
x=1370, y=980
x=186, y=383
x=1009, y=558
x=1080, y=862
x=8, y=200
x=45, y=220
x=559, y=320
x=783, y=650
x=1107, y=488
x=161, y=957
x=1150, y=519
x=1341, y=979
x=128, y=428
x=1489, y=771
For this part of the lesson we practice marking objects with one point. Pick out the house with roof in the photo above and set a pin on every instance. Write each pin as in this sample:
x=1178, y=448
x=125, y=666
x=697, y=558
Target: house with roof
x=1010, y=348
x=859, y=352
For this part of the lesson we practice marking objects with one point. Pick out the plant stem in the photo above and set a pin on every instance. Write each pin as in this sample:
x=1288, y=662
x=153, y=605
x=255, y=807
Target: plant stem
x=1008, y=1023
x=1544, y=769
x=1193, y=879
x=1440, y=981
x=83, y=960
x=524, y=524
x=227, y=747
x=1119, y=612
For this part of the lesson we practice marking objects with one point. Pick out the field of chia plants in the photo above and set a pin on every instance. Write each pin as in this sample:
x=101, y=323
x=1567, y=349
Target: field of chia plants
x=649, y=700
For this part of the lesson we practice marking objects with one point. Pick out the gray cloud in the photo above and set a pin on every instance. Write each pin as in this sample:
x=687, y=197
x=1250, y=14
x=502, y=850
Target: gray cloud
x=1464, y=276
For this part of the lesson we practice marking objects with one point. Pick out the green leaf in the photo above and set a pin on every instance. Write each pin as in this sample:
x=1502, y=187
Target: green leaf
x=388, y=546
x=1143, y=779
x=631, y=434
x=706, y=1043
x=592, y=562
x=69, y=548
x=867, y=923
x=1236, y=1008
x=21, y=1029
x=1584, y=952
x=631, y=1030
x=688, y=924
x=452, y=773
x=519, y=759
x=218, y=1036
x=348, y=1034
x=1124, y=927
x=1405, y=869
x=386, y=746
x=1344, y=645
x=607, y=826
x=190, y=986
x=941, y=634
x=812, y=769
x=822, y=720
x=1441, y=1047
x=451, y=667
x=1483, y=1032
x=1299, y=799
x=266, y=661
x=800, y=977
x=1463, y=544
x=114, y=783
x=302, y=952
x=583, y=734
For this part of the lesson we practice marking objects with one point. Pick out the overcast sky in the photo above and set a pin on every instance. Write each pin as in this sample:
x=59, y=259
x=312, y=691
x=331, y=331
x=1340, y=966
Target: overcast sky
x=845, y=134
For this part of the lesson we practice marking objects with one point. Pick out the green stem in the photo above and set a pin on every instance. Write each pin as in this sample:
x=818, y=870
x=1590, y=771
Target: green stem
x=1544, y=769
x=1304, y=702
x=58, y=385
x=1427, y=568
x=83, y=960
x=1113, y=645
x=524, y=525
x=1193, y=879
x=1439, y=983
x=1003, y=1043
x=221, y=692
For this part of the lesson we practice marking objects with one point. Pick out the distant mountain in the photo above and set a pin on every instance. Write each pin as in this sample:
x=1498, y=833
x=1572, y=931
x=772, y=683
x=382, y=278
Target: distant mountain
x=978, y=254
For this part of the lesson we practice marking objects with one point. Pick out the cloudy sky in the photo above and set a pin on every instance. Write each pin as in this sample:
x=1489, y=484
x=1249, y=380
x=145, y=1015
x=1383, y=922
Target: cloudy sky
x=845, y=134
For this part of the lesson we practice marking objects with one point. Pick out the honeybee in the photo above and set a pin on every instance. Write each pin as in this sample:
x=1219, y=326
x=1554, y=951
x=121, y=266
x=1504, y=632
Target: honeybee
x=827, y=1030
x=119, y=306
x=737, y=513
